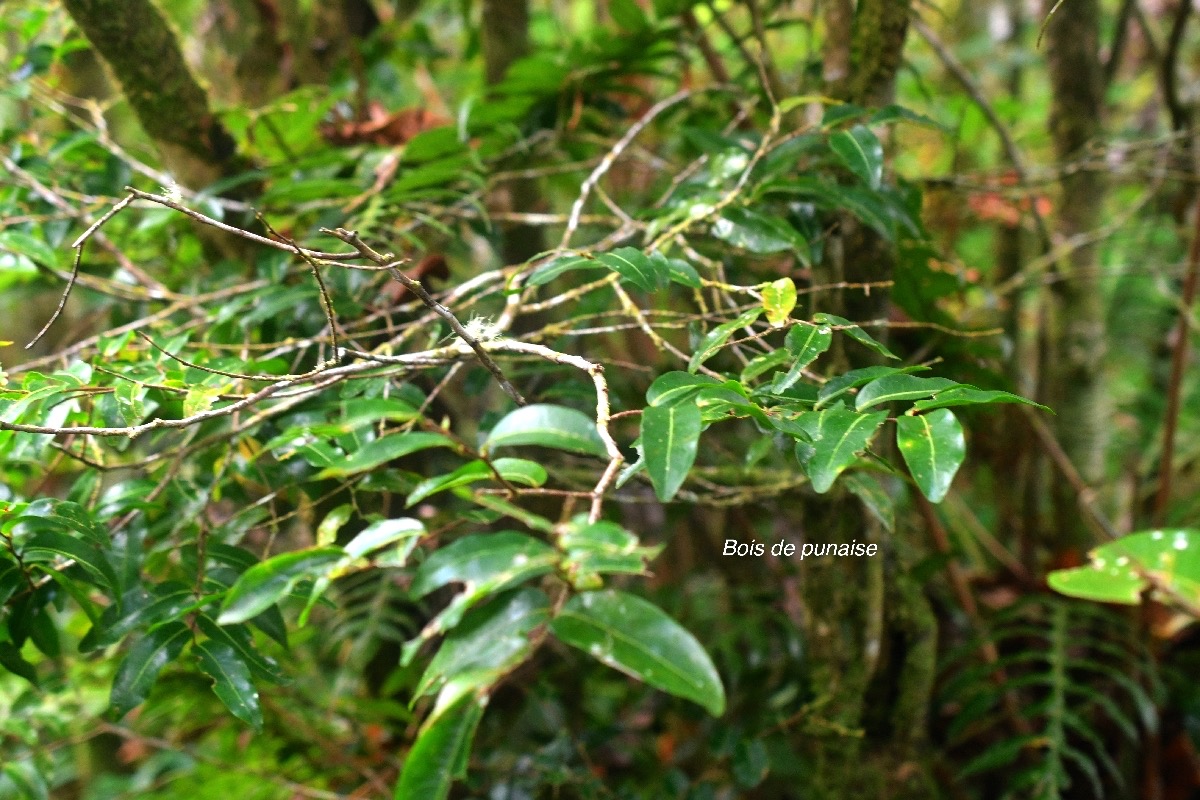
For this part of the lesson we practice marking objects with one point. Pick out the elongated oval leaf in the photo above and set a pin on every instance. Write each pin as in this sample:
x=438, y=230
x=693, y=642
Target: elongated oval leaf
x=241, y=640
x=140, y=667
x=638, y=638
x=549, y=426
x=513, y=470
x=440, y=754
x=231, y=681
x=900, y=386
x=839, y=385
x=715, y=339
x=488, y=642
x=861, y=152
x=804, y=342
x=634, y=266
x=970, y=396
x=264, y=584
x=675, y=387
x=1121, y=571
x=385, y=449
x=669, y=438
x=93, y=561
x=933, y=447
x=836, y=435
x=385, y=532
x=854, y=332
x=493, y=558
x=548, y=272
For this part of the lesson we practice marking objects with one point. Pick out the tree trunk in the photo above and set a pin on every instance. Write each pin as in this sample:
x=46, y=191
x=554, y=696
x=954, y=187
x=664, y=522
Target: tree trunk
x=1073, y=381
x=172, y=107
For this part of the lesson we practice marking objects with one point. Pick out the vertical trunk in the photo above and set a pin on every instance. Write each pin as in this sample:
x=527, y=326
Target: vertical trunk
x=505, y=28
x=1073, y=381
x=141, y=49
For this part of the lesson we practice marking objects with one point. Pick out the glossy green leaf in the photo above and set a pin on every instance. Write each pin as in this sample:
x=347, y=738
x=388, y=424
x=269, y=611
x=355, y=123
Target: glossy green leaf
x=762, y=364
x=549, y=426
x=441, y=751
x=779, y=299
x=241, y=640
x=900, y=386
x=632, y=265
x=29, y=782
x=488, y=643
x=142, y=664
x=118, y=620
x=933, y=447
x=837, y=386
x=874, y=497
x=854, y=332
x=12, y=660
x=385, y=449
x=91, y=559
x=602, y=547
x=970, y=396
x=675, y=387
x=715, y=339
x=669, y=440
x=497, y=559
x=513, y=470
x=639, y=639
x=804, y=342
x=861, y=152
x=1166, y=562
x=33, y=248
x=676, y=270
x=758, y=233
x=264, y=584
x=231, y=681
x=836, y=436
x=559, y=266
x=383, y=533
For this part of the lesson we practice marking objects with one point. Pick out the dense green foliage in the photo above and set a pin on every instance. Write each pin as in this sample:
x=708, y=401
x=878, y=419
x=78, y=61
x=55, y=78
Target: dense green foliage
x=613, y=400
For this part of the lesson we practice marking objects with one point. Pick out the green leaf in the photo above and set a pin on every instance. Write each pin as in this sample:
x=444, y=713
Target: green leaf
x=12, y=660
x=779, y=298
x=899, y=386
x=1166, y=561
x=441, y=751
x=854, y=332
x=199, y=399
x=970, y=396
x=30, y=784
x=494, y=559
x=385, y=449
x=836, y=435
x=551, y=270
x=861, y=152
x=140, y=667
x=804, y=342
x=764, y=363
x=231, y=681
x=549, y=426
x=29, y=246
x=628, y=15
x=264, y=584
x=933, y=447
x=672, y=388
x=874, y=497
x=715, y=339
x=669, y=438
x=837, y=386
x=639, y=639
x=632, y=265
x=513, y=470
x=386, y=532
x=676, y=270
x=759, y=233
x=601, y=547
x=91, y=559
x=241, y=640
x=488, y=643
x=327, y=531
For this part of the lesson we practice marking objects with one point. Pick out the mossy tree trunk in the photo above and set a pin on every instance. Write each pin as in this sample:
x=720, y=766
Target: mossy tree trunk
x=141, y=49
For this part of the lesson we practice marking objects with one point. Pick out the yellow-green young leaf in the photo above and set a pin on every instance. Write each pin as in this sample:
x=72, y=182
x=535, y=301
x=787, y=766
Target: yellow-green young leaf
x=383, y=533
x=639, y=639
x=199, y=399
x=328, y=529
x=549, y=426
x=933, y=447
x=779, y=298
x=1167, y=561
x=440, y=754
x=264, y=584
x=836, y=435
x=231, y=681
x=669, y=438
